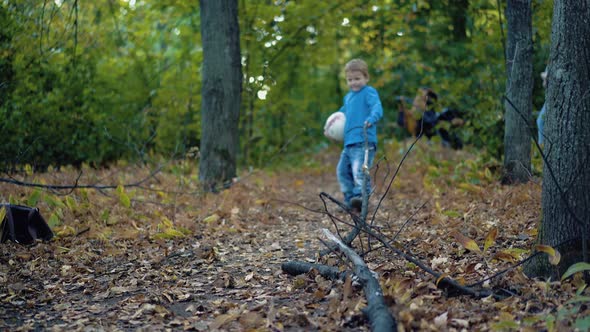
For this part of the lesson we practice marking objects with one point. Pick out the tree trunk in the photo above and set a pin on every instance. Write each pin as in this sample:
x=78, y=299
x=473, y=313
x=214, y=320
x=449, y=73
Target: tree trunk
x=519, y=92
x=221, y=92
x=458, y=15
x=566, y=176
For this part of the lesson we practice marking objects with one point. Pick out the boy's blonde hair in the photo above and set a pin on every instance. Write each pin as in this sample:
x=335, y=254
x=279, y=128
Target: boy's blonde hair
x=357, y=65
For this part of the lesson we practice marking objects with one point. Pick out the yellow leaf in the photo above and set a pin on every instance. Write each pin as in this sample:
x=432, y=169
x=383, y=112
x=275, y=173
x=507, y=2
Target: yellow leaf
x=433, y=171
x=34, y=198
x=66, y=231
x=488, y=175
x=125, y=200
x=437, y=206
x=490, y=239
x=299, y=183
x=173, y=232
x=546, y=249
x=212, y=218
x=261, y=202
x=2, y=214
x=465, y=241
x=71, y=203
x=469, y=187
x=123, y=197
x=53, y=220
x=166, y=222
x=28, y=169
x=554, y=255
x=53, y=201
x=168, y=233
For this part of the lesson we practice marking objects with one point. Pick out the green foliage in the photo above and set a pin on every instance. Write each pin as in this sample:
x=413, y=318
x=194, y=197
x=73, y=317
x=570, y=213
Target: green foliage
x=575, y=268
x=112, y=80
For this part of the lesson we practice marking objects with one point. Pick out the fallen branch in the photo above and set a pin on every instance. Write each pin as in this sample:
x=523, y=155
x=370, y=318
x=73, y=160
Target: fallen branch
x=355, y=229
x=377, y=310
x=329, y=272
x=78, y=186
x=360, y=221
x=442, y=281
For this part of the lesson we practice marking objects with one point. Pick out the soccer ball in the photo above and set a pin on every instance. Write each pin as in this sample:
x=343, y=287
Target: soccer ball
x=334, y=127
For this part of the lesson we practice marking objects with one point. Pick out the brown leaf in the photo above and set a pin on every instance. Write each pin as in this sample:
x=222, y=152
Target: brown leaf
x=222, y=320
x=505, y=256
x=466, y=242
x=319, y=294
x=347, y=288
x=251, y=320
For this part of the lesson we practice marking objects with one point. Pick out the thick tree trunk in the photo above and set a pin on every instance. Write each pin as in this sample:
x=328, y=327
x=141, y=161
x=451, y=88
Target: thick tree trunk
x=221, y=92
x=566, y=176
x=519, y=91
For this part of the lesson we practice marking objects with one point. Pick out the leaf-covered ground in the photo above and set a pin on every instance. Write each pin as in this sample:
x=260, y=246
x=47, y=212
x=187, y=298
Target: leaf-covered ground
x=165, y=256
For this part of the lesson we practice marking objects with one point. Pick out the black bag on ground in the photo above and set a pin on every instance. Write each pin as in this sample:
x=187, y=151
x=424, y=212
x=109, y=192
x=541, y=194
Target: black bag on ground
x=23, y=224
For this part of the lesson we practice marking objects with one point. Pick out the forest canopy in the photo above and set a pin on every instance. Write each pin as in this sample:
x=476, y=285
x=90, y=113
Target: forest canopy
x=94, y=82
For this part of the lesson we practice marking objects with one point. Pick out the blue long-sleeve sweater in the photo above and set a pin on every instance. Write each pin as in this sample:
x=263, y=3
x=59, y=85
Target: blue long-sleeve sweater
x=360, y=106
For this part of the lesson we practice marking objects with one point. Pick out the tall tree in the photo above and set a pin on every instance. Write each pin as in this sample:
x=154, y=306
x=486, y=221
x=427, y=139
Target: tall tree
x=519, y=92
x=566, y=175
x=221, y=92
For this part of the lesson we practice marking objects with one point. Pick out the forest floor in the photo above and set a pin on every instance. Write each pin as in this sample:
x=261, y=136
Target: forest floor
x=161, y=255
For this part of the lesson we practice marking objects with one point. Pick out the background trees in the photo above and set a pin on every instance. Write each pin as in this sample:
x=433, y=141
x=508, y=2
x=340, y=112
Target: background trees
x=121, y=79
x=519, y=92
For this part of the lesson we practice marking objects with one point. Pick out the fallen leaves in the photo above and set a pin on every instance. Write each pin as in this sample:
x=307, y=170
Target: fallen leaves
x=167, y=258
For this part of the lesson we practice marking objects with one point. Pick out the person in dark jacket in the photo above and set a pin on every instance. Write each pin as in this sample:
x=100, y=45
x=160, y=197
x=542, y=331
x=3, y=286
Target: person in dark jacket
x=423, y=119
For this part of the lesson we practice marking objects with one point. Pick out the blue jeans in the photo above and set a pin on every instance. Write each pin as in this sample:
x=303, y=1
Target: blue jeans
x=540, y=123
x=350, y=170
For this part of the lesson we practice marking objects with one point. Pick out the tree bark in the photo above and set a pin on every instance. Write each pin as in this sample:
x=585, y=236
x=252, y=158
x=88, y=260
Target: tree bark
x=221, y=92
x=519, y=92
x=566, y=175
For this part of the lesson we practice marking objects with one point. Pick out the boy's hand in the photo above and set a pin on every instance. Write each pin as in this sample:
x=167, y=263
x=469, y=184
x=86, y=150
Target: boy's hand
x=367, y=124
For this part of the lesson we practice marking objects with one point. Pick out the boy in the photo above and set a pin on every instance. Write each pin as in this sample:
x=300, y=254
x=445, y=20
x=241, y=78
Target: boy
x=362, y=106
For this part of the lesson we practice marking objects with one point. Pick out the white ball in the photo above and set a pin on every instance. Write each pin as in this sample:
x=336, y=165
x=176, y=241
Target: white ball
x=334, y=127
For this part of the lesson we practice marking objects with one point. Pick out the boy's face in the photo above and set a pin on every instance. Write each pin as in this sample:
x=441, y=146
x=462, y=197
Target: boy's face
x=356, y=80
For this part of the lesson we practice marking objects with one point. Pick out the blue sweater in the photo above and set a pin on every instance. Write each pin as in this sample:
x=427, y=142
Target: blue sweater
x=363, y=105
